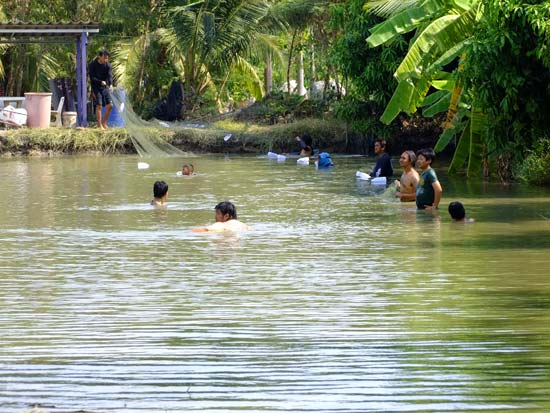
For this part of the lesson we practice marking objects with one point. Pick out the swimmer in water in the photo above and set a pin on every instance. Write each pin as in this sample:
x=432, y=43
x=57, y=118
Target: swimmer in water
x=188, y=169
x=226, y=220
x=458, y=213
x=160, y=193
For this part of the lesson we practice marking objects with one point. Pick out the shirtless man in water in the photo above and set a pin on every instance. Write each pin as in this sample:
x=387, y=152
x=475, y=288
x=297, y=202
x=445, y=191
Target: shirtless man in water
x=160, y=194
x=226, y=220
x=406, y=188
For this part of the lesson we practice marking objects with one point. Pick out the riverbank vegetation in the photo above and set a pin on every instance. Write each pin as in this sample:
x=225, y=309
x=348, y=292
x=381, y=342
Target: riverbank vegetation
x=474, y=73
x=245, y=138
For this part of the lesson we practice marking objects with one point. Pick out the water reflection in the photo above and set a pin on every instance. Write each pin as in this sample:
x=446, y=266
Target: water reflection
x=339, y=299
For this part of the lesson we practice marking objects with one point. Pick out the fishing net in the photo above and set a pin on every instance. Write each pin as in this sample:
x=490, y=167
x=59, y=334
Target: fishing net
x=144, y=135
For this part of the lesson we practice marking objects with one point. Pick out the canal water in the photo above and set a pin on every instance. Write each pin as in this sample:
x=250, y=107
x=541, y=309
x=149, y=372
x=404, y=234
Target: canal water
x=339, y=299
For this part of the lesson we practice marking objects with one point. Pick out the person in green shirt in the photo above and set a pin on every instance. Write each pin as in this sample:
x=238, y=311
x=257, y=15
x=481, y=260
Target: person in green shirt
x=428, y=190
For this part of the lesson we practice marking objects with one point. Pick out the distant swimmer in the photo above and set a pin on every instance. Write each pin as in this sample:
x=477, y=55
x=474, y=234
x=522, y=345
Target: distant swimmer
x=406, y=187
x=160, y=193
x=458, y=213
x=324, y=161
x=306, y=144
x=188, y=169
x=226, y=220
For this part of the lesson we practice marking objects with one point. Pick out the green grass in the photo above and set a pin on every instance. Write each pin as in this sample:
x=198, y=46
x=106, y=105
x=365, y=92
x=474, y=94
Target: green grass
x=329, y=135
x=64, y=141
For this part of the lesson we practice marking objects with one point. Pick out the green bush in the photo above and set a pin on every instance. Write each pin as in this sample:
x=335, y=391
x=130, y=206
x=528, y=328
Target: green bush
x=535, y=168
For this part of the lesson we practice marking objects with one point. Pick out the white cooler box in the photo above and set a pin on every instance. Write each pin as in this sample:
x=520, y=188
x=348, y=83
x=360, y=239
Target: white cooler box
x=14, y=115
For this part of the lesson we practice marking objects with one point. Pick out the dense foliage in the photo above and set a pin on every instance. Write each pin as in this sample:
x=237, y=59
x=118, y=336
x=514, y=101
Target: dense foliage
x=367, y=72
x=507, y=70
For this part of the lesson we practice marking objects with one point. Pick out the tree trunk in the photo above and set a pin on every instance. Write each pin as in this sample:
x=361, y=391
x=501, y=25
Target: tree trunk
x=290, y=60
x=268, y=75
x=313, y=78
x=301, y=89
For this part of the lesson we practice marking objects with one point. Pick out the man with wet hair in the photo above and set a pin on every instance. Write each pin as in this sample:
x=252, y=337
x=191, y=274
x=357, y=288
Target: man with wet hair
x=458, y=213
x=406, y=187
x=383, y=165
x=428, y=190
x=160, y=193
x=226, y=220
x=306, y=144
x=188, y=169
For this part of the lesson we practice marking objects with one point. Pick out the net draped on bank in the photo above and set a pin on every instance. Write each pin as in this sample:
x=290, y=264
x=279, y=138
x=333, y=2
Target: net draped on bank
x=144, y=134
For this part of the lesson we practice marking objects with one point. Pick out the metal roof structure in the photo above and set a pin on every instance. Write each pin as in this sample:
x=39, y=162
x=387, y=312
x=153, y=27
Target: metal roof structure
x=60, y=32
x=19, y=32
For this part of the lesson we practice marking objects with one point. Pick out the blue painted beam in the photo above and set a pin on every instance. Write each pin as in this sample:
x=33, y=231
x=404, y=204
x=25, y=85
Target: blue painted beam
x=81, y=80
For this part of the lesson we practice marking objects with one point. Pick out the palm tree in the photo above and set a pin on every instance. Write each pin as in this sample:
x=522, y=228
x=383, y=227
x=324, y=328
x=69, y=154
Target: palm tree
x=208, y=38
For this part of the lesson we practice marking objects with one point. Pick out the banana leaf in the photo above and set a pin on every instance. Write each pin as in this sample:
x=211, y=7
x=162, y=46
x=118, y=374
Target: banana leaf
x=399, y=101
x=447, y=135
x=445, y=84
x=404, y=22
x=407, y=97
x=448, y=56
x=478, y=131
x=440, y=36
x=465, y=4
x=387, y=8
x=434, y=97
x=440, y=106
x=462, y=151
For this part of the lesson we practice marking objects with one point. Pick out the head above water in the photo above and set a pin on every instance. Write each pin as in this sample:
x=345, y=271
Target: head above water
x=325, y=160
x=160, y=189
x=187, y=169
x=457, y=211
x=225, y=211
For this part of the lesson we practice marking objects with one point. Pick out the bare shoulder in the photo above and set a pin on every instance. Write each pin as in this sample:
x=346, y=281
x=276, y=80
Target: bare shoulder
x=236, y=225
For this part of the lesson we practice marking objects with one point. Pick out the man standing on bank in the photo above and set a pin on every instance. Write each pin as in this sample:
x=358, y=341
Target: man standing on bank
x=101, y=77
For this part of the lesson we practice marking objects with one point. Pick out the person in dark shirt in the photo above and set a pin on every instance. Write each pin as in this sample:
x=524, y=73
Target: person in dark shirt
x=428, y=190
x=383, y=165
x=101, y=77
x=306, y=144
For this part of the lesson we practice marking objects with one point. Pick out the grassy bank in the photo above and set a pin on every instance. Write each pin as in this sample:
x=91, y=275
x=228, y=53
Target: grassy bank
x=246, y=138
x=58, y=141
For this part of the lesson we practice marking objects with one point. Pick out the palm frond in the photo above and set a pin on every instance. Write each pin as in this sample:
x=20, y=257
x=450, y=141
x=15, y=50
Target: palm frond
x=265, y=44
x=254, y=83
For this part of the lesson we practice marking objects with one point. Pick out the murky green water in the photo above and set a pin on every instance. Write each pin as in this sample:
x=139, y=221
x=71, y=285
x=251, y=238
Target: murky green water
x=339, y=300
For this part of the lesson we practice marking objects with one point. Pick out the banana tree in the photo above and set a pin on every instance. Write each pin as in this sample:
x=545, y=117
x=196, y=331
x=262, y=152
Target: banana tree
x=442, y=31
